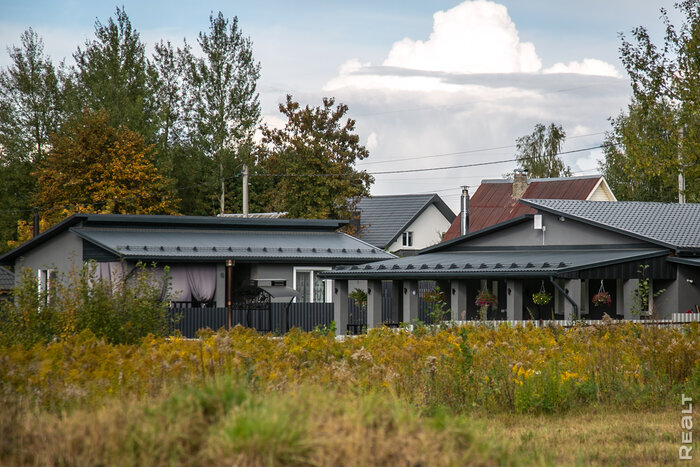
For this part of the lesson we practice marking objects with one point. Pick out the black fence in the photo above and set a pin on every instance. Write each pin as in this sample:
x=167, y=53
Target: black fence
x=306, y=316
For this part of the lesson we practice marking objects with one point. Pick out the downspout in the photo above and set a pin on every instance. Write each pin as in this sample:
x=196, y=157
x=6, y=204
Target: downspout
x=566, y=296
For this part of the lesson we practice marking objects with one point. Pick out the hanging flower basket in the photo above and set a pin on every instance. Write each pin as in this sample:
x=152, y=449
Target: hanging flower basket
x=541, y=298
x=602, y=299
x=485, y=299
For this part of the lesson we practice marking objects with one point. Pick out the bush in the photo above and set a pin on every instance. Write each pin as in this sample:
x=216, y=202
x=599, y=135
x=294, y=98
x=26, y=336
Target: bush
x=122, y=310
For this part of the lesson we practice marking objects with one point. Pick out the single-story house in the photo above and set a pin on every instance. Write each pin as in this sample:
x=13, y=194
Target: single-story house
x=497, y=200
x=403, y=224
x=275, y=252
x=569, y=249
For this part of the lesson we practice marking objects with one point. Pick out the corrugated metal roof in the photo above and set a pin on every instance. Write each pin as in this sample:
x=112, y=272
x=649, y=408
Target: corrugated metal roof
x=251, y=245
x=493, y=203
x=385, y=217
x=7, y=279
x=675, y=225
x=526, y=262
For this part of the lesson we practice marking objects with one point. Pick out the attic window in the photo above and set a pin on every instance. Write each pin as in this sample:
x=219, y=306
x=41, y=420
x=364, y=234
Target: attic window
x=407, y=238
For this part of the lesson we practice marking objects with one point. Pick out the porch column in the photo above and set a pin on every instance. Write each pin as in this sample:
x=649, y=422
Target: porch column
x=410, y=301
x=458, y=302
x=628, y=288
x=374, y=304
x=514, y=291
x=573, y=290
x=396, y=300
x=340, y=306
x=220, y=291
x=619, y=297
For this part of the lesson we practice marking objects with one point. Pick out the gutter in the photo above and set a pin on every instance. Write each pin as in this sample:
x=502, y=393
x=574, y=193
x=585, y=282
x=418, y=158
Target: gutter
x=566, y=296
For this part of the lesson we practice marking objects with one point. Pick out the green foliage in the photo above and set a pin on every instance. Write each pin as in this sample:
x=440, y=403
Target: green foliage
x=359, y=296
x=312, y=162
x=112, y=74
x=659, y=135
x=121, y=311
x=437, y=305
x=537, y=152
x=642, y=293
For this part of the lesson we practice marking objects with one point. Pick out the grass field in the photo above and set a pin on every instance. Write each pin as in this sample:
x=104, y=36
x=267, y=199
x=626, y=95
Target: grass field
x=606, y=395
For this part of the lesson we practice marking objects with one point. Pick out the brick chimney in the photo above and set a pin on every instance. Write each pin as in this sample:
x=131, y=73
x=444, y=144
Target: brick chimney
x=519, y=183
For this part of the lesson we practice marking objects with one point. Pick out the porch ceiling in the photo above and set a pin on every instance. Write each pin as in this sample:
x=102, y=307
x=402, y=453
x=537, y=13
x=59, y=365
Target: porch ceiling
x=525, y=262
x=239, y=245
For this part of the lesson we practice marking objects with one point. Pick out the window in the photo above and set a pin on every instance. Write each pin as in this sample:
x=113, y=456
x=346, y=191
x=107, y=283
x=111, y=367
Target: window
x=46, y=282
x=407, y=238
x=312, y=288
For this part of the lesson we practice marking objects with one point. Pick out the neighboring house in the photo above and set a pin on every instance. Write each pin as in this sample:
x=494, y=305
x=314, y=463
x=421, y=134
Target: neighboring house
x=496, y=201
x=404, y=224
x=7, y=282
x=287, y=253
x=569, y=249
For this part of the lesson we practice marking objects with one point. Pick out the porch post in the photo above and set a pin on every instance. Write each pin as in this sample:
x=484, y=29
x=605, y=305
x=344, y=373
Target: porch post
x=514, y=300
x=573, y=290
x=458, y=299
x=374, y=304
x=410, y=300
x=340, y=306
x=396, y=300
x=628, y=288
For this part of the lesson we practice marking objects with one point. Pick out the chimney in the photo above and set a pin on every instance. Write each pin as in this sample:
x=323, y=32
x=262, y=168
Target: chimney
x=519, y=183
x=464, y=224
x=35, y=223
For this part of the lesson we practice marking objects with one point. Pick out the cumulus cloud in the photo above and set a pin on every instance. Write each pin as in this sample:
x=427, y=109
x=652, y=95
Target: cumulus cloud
x=473, y=37
x=588, y=66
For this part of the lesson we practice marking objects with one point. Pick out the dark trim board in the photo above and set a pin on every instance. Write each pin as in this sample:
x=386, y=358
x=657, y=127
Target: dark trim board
x=659, y=268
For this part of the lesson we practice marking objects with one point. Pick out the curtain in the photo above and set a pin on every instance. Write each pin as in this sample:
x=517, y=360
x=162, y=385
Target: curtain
x=202, y=281
x=180, y=285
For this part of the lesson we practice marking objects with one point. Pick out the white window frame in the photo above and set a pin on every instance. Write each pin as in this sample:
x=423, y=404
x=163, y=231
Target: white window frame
x=44, y=282
x=313, y=270
x=407, y=238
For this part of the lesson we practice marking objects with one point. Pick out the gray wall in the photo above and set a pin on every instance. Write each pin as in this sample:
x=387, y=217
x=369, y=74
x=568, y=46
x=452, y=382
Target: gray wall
x=274, y=271
x=688, y=294
x=63, y=252
x=569, y=232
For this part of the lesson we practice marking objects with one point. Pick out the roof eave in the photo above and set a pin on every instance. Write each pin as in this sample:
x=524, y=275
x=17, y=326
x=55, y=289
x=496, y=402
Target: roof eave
x=12, y=255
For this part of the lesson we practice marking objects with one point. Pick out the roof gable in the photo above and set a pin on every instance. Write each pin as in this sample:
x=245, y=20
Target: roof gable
x=385, y=217
x=666, y=224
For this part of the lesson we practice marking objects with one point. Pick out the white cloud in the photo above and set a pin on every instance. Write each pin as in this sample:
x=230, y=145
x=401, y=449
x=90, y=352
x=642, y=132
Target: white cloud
x=473, y=37
x=588, y=66
x=372, y=141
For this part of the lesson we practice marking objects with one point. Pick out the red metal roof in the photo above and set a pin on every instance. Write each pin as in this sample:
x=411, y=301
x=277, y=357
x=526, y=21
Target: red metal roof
x=493, y=202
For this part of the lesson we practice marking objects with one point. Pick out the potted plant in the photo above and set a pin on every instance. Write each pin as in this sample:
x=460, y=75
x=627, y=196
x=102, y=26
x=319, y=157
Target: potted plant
x=602, y=299
x=484, y=300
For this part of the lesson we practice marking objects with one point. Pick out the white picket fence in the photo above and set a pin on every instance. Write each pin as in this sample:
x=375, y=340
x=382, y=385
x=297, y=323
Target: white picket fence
x=677, y=320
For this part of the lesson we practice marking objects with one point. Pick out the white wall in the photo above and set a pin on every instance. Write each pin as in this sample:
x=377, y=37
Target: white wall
x=427, y=230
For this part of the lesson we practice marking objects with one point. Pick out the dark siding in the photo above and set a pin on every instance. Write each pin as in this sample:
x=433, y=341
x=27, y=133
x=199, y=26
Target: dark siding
x=93, y=252
x=659, y=268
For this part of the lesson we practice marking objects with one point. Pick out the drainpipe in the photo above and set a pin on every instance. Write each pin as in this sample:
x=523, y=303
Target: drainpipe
x=566, y=296
x=464, y=214
x=229, y=292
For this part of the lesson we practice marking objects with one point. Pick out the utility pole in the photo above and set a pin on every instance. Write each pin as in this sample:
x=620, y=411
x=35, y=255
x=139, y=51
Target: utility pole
x=245, y=190
x=223, y=193
x=681, y=177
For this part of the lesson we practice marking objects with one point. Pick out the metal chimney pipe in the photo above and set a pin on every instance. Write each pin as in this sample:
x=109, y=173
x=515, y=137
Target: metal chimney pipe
x=35, y=223
x=245, y=191
x=464, y=213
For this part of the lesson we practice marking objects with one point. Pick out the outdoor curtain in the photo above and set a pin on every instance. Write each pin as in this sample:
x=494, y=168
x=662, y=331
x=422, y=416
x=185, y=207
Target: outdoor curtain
x=202, y=281
x=180, y=285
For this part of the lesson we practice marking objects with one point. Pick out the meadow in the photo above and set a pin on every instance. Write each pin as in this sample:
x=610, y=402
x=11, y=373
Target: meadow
x=470, y=395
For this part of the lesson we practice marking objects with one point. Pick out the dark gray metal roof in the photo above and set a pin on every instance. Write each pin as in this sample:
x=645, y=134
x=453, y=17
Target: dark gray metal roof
x=672, y=225
x=242, y=245
x=171, y=222
x=688, y=261
x=507, y=262
x=7, y=279
x=385, y=217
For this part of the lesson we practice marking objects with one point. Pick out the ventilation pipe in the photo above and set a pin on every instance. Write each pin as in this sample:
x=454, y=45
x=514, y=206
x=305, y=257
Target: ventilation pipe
x=464, y=214
x=245, y=191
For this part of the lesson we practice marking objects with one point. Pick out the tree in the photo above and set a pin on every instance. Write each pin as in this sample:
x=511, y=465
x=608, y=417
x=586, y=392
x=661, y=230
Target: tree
x=312, y=162
x=93, y=167
x=30, y=110
x=112, y=74
x=222, y=95
x=537, y=152
x=659, y=135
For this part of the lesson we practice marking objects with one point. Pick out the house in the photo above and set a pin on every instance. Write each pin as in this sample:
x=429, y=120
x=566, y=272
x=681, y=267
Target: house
x=201, y=252
x=496, y=201
x=404, y=224
x=569, y=249
x=7, y=282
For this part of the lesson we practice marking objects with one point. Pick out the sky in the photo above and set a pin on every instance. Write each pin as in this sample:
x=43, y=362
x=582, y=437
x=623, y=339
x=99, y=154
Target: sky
x=431, y=84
